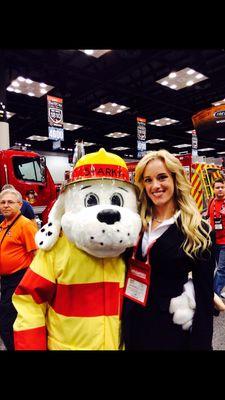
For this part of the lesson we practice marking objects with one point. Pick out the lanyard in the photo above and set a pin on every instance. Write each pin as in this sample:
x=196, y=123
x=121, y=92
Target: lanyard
x=10, y=226
x=138, y=277
x=135, y=249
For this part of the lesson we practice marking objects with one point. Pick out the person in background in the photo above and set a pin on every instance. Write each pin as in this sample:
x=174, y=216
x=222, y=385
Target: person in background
x=26, y=208
x=216, y=213
x=17, y=251
x=174, y=242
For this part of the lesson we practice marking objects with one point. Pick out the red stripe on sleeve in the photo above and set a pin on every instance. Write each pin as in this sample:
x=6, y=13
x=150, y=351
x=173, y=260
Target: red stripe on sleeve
x=41, y=289
x=31, y=339
x=87, y=300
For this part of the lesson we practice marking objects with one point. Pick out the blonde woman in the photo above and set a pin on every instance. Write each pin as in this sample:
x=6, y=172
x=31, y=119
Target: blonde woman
x=174, y=242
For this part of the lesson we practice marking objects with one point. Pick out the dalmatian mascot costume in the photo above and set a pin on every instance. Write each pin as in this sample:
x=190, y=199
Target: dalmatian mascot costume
x=71, y=296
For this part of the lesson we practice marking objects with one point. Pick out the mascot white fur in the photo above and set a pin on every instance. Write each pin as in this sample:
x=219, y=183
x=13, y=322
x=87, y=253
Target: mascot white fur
x=71, y=296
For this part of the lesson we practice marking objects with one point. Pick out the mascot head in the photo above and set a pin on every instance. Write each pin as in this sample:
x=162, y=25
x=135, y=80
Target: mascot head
x=97, y=209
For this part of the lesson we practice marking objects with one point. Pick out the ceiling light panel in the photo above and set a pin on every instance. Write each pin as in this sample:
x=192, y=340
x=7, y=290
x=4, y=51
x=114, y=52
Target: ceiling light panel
x=27, y=86
x=9, y=114
x=219, y=102
x=117, y=135
x=71, y=127
x=154, y=141
x=163, y=121
x=181, y=79
x=110, y=108
x=37, y=137
x=95, y=53
x=180, y=146
x=206, y=149
x=120, y=148
x=87, y=144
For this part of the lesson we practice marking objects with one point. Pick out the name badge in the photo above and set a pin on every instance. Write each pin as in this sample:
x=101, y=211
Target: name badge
x=218, y=224
x=137, y=284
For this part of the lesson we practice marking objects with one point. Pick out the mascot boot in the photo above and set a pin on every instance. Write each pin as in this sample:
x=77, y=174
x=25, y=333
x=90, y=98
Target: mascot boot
x=71, y=296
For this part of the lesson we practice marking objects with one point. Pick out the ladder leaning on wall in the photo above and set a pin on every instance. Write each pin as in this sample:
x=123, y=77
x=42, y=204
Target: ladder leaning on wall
x=207, y=187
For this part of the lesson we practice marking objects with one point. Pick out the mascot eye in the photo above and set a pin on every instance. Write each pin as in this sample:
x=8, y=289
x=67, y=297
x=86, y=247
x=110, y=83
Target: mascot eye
x=91, y=199
x=117, y=200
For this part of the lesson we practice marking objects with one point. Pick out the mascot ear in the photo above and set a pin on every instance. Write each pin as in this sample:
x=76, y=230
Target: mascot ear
x=48, y=235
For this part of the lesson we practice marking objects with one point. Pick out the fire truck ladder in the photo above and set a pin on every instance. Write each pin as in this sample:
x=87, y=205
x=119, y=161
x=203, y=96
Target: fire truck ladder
x=206, y=183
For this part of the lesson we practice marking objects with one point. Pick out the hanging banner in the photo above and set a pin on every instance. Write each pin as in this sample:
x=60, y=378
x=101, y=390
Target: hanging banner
x=212, y=118
x=55, y=118
x=194, y=143
x=141, y=137
x=56, y=144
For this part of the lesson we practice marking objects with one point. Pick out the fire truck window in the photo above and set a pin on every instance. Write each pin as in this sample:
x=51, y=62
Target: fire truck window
x=27, y=169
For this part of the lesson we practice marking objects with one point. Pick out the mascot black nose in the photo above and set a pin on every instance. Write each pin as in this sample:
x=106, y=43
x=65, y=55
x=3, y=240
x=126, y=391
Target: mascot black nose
x=109, y=216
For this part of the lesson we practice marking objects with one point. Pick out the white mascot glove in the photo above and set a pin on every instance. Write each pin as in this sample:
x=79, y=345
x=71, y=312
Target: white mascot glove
x=183, y=306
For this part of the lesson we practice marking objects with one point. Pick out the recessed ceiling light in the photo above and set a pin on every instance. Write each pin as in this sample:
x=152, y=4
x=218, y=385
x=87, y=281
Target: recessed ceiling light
x=15, y=84
x=29, y=87
x=87, y=144
x=110, y=109
x=117, y=135
x=21, y=79
x=37, y=137
x=181, y=78
x=95, y=53
x=180, y=146
x=190, y=71
x=9, y=114
x=154, y=141
x=206, y=149
x=163, y=121
x=219, y=102
x=120, y=148
x=71, y=127
x=189, y=83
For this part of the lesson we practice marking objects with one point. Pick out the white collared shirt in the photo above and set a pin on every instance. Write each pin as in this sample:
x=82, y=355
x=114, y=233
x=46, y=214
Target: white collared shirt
x=150, y=236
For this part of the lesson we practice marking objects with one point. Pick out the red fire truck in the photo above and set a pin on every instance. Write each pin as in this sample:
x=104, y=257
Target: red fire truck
x=28, y=173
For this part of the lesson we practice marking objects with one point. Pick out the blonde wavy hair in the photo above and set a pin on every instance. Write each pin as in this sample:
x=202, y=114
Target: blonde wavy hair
x=197, y=237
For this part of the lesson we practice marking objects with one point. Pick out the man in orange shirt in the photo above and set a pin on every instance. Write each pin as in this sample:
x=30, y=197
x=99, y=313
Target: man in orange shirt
x=17, y=249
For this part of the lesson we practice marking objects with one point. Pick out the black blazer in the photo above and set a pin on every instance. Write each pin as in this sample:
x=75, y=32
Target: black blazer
x=151, y=327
